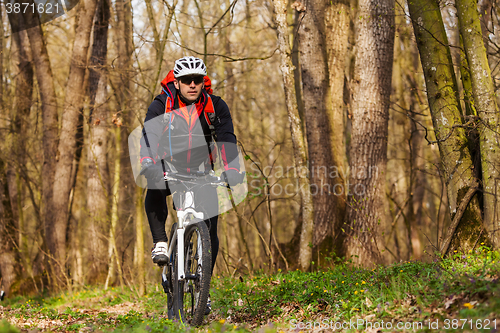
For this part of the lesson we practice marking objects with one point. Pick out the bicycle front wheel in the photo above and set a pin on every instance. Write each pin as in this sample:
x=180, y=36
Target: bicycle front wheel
x=172, y=277
x=193, y=291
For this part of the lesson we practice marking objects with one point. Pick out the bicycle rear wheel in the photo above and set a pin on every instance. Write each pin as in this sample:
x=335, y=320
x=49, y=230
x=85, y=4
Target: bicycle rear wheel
x=191, y=295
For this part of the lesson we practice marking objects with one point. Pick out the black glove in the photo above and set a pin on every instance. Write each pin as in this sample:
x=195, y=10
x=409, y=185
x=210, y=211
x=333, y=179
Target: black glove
x=153, y=172
x=233, y=177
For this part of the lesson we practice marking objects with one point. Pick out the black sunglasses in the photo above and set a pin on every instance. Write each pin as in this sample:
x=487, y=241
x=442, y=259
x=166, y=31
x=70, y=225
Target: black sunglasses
x=188, y=79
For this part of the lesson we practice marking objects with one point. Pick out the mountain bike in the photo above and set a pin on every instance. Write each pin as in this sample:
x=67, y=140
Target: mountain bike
x=186, y=278
x=187, y=274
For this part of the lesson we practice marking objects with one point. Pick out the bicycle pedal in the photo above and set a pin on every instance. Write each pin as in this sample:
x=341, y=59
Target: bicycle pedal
x=161, y=260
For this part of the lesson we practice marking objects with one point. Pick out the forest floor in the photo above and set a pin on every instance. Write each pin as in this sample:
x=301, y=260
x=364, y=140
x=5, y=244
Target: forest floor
x=461, y=293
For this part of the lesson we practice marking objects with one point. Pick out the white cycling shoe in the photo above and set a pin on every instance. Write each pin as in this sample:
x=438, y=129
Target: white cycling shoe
x=159, y=253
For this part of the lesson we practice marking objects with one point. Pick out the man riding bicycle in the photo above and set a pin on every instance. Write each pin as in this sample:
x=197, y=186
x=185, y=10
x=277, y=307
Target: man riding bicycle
x=175, y=142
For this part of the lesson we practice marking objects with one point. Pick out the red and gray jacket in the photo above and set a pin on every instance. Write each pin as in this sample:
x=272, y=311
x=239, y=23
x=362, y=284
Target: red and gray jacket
x=184, y=134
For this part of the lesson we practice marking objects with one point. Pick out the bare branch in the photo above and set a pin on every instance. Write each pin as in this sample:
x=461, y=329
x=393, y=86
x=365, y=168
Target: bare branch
x=228, y=58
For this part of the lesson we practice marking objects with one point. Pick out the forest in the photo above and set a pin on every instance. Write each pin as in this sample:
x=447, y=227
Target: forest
x=369, y=130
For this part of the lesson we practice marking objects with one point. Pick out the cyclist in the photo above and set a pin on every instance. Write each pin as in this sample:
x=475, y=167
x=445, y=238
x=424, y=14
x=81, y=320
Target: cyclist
x=185, y=99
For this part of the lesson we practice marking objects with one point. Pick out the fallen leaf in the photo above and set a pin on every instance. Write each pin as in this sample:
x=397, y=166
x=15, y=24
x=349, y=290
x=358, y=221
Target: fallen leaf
x=369, y=317
x=449, y=302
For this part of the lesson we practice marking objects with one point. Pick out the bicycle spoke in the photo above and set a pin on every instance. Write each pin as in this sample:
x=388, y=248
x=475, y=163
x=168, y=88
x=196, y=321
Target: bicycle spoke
x=190, y=296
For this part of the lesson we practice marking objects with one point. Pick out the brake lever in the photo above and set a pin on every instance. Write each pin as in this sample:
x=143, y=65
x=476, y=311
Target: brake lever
x=216, y=181
x=169, y=178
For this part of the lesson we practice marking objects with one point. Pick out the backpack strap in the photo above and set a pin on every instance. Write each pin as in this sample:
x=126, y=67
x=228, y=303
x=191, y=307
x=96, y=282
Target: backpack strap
x=210, y=116
x=169, y=90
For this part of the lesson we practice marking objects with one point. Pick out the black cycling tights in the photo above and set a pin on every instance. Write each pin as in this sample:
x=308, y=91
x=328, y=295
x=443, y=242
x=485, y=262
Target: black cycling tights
x=156, y=211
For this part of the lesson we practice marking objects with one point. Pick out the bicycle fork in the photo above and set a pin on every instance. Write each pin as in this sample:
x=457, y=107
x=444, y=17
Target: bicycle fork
x=188, y=209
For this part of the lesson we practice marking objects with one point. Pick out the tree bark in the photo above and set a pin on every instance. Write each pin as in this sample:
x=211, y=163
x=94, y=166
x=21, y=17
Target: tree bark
x=123, y=118
x=1, y=59
x=8, y=262
x=17, y=140
x=115, y=199
x=73, y=104
x=374, y=28
x=456, y=219
x=125, y=112
x=139, y=242
x=45, y=81
x=418, y=180
x=483, y=94
x=296, y=68
x=442, y=94
x=319, y=118
x=487, y=10
x=97, y=172
x=337, y=27
x=399, y=167
x=229, y=88
x=306, y=237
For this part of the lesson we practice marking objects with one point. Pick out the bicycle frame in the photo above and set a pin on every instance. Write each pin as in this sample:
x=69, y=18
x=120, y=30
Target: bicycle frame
x=188, y=210
x=182, y=216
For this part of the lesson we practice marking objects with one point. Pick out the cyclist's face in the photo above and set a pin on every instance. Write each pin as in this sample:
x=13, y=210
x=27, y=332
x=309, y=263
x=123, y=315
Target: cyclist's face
x=192, y=90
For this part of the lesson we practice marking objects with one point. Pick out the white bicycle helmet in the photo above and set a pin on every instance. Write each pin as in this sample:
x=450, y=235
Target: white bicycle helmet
x=189, y=66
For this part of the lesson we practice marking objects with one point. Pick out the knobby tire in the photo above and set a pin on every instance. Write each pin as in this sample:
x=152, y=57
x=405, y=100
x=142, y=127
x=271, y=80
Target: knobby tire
x=190, y=296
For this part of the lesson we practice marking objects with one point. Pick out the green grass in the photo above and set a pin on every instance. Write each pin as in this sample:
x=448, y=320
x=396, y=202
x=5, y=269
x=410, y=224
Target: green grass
x=5, y=327
x=464, y=286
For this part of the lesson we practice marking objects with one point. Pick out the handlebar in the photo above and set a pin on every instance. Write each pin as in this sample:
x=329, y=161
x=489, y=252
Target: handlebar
x=199, y=178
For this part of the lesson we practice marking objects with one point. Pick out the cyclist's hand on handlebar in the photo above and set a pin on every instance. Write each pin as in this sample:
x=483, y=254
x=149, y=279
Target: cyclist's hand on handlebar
x=233, y=177
x=153, y=172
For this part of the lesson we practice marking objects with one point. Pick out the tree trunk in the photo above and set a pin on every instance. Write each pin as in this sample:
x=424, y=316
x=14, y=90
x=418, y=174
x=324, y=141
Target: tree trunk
x=314, y=73
x=123, y=91
x=399, y=167
x=139, y=241
x=424, y=200
x=7, y=258
x=296, y=68
x=487, y=10
x=49, y=118
x=16, y=141
x=306, y=237
x=337, y=28
x=1, y=59
x=8, y=262
x=98, y=175
x=229, y=88
x=73, y=104
x=370, y=113
x=487, y=110
x=442, y=94
x=115, y=199
x=123, y=117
